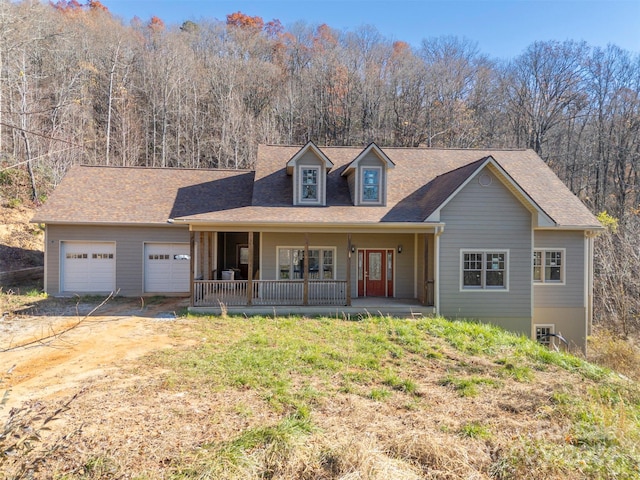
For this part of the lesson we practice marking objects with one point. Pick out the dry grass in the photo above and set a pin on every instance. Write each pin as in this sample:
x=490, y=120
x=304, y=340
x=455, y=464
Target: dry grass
x=619, y=354
x=291, y=398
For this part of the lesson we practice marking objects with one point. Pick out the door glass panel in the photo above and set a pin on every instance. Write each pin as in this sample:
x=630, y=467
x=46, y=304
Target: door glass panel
x=375, y=266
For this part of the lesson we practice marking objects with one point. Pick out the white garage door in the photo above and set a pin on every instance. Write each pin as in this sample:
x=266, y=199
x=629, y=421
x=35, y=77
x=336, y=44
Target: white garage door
x=88, y=266
x=166, y=267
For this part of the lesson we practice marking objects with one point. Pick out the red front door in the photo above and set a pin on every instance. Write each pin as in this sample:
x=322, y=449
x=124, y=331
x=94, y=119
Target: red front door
x=375, y=273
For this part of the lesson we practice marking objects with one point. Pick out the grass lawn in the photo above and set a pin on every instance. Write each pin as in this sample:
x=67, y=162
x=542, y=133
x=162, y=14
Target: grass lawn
x=378, y=398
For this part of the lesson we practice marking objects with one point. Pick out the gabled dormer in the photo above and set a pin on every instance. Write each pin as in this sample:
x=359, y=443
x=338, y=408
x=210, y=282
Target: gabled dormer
x=309, y=169
x=367, y=176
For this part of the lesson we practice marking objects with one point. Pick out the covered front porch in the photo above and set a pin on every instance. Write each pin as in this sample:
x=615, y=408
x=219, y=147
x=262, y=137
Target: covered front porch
x=315, y=272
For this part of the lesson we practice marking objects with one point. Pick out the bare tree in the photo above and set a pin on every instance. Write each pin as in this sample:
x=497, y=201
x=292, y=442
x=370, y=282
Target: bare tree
x=617, y=285
x=545, y=88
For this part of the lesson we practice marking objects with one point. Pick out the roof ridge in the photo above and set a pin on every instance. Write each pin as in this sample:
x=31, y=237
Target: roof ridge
x=448, y=149
x=141, y=167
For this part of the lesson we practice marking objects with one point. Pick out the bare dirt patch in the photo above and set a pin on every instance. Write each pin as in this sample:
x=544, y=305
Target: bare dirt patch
x=21, y=242
x=64, y=351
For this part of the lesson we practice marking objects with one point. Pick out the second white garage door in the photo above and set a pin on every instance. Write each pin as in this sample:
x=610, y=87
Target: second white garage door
x=166, y=267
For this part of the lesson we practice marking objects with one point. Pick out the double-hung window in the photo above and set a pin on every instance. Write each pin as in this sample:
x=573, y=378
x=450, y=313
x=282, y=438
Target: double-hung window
x=548, y=266
x=291, y=262
x=484, y=270
x=371, y=180
x=309, y=191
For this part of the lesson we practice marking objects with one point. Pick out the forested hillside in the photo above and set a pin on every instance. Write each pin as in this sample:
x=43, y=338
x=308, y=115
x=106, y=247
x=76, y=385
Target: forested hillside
x=78, y=85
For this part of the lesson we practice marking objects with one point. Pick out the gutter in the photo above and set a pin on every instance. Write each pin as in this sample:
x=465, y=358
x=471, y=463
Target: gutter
x=595, y=229
x=399, y=227
x=436, y=259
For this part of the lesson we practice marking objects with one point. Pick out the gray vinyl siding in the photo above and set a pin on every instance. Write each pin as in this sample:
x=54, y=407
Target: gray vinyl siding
x=404, y=262
x=571, y=294
x=487, y=218
x=129, y=251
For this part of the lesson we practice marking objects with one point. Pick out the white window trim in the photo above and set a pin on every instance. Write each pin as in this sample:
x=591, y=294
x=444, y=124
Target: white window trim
x=484, y=251
x=552, y=328
x=311, y=247
x=381, y=195
x=562, y=271
x=304, y=201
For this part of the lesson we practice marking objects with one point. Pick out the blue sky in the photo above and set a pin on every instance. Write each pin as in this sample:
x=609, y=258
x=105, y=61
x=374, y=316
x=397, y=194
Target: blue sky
x=502, y=29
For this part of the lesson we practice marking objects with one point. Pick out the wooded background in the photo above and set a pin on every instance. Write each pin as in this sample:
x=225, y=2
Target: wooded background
x=77, y=85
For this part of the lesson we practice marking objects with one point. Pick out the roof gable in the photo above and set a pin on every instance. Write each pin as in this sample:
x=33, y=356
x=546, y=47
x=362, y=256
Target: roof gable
x=447, y=186
x=372, y=147
x=310, y=146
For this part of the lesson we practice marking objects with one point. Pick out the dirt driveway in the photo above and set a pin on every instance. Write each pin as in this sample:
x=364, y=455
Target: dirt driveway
x=66, y=357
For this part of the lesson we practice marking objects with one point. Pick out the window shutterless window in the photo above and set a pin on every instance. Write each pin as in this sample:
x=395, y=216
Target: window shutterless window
x=484, y=270
x=548, y=266
x=371, y=185
x=309, y=187
x=291, y=262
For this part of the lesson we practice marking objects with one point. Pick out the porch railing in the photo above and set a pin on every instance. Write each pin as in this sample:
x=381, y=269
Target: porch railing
x=213, y=293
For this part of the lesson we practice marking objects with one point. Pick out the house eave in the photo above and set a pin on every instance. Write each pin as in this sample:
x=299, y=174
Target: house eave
x=353, y=227
x=589, y=228
x=168, y=223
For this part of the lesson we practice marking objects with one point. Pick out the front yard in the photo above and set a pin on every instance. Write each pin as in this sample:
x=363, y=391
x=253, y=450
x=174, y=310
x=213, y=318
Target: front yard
x=265, y=397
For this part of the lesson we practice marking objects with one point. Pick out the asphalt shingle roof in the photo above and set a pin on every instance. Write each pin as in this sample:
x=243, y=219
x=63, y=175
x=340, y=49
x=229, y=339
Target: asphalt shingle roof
x=421, y=180
x=118, y=195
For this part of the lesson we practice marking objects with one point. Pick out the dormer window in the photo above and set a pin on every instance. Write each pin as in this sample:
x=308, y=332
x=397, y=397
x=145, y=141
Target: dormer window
x=367, y=176
x=309, y=168
x=309, y=188
x=371, y=184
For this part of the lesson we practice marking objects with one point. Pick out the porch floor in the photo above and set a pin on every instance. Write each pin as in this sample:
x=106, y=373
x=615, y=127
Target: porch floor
x=360, y=307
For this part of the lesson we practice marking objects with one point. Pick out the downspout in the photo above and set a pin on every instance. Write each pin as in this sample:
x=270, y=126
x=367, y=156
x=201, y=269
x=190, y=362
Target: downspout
x=590, y=236
x=192, y=250
x=436, y=261
x=46, y=256
x=415, y=266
